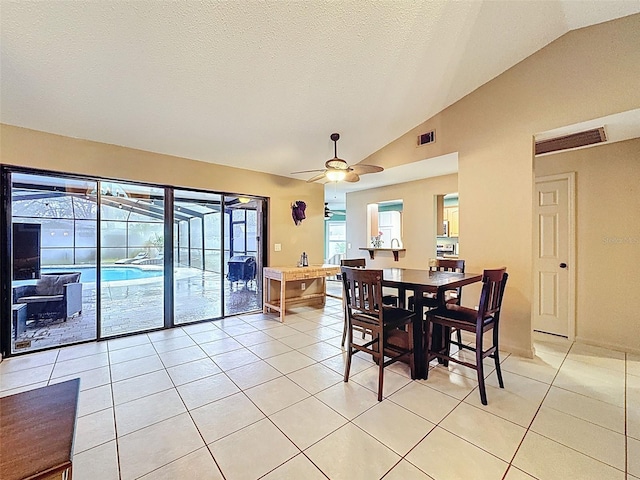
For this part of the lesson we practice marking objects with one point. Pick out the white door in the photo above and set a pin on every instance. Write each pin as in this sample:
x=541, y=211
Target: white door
x=554, y=255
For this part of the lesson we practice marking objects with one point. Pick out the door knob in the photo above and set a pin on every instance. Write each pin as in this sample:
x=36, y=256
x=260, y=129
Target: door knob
x=563, y=265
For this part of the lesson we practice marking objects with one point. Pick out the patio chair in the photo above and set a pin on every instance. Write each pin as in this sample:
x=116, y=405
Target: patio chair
x=140, y=256
x=54, y=296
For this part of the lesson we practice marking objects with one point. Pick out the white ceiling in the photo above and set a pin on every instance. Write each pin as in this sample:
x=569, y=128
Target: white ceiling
x=262, y=85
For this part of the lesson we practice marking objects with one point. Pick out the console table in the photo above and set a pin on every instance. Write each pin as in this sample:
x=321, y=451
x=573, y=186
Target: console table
x=36, y=432
x=297, y=285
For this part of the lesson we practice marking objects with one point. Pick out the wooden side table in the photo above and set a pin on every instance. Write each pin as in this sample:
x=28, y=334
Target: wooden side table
x=290, y=289
x=37, y=429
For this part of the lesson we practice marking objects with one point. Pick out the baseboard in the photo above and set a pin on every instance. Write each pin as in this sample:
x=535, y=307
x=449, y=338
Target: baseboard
x=521, y=352
x=610, y=346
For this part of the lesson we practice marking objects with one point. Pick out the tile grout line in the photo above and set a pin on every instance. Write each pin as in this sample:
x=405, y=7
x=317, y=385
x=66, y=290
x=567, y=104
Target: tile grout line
x=316, y=362
x=560, y=443
x=115, y=423
x=535, y=415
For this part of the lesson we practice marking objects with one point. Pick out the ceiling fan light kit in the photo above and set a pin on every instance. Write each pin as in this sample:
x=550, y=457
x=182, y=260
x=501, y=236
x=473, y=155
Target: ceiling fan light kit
x=336, y=175
x=338, y=170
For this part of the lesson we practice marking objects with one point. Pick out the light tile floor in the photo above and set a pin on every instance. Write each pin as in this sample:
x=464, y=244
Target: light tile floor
x=247, y=398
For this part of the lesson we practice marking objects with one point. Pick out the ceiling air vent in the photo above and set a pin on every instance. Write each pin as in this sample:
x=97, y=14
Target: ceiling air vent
x=426, y=138
x=580, y=139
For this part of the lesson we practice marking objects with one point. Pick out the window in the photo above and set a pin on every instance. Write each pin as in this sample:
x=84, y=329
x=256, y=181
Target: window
x=336, y=240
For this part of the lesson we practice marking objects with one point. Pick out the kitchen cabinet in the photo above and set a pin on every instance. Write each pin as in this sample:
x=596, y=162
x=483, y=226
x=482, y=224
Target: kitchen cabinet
x=452, y=217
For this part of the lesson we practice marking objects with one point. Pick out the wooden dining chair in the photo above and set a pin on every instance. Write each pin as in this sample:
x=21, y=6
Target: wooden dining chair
x=430, y=300
x=486, y=318
x=391, y=328
x=350, y=262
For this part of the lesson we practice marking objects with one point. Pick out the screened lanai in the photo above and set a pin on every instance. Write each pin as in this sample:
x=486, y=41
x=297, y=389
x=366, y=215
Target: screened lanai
x=147, y=257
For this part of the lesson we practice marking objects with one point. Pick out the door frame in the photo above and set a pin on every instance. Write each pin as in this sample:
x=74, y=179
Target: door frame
x=570, y=177
x=6, y=252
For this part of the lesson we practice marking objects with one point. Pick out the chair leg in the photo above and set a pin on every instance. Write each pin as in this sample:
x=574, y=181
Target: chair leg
x=427, y=345
x=498, y=371
x=412, y=357
x=496, y=357
x=344, y=328
x=380, y=364
x=446, y=343
x=459, y=336
x=480, y=367
x=347, y=367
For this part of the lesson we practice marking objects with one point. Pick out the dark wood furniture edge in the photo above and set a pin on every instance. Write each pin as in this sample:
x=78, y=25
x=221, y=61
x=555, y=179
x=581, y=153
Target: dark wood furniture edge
x=372, y=251
x=26, y=429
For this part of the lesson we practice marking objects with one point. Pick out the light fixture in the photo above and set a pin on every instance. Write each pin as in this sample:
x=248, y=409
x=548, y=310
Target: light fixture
x=244, y=199
x=335, y=175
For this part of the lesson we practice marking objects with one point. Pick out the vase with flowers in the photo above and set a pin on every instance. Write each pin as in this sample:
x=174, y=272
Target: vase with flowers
x=376, y=242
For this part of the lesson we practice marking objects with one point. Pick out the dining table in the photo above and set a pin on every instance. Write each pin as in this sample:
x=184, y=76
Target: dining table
x=420, y=282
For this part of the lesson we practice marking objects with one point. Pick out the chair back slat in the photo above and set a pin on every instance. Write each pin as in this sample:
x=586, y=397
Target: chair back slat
x=363, y=291
x=494, y=282
x=449, y=265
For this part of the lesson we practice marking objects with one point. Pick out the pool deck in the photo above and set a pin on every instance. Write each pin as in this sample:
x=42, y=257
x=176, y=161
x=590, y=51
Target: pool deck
x=137, y=305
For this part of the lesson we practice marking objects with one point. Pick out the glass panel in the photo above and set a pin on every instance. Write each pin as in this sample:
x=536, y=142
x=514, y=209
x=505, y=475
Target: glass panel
x=198, y=278
x=243, y=267
x=336, y=241
x=54, y=237
x=132, y=258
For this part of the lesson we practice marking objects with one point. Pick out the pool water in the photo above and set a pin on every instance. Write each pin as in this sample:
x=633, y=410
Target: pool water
x=108, y=273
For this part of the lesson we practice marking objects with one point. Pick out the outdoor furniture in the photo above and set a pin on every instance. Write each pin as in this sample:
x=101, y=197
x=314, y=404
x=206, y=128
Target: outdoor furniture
x=242, y=268
x=140, y=256
x=479, y=321
x=19, y=317
x=391, y=328
x=54, y=296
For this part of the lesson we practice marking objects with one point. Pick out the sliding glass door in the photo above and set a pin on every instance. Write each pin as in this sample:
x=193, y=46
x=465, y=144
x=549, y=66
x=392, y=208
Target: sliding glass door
x=242, y=259
x=53, y=238
x=197, y=244
x=131, y=258
x=88, y=259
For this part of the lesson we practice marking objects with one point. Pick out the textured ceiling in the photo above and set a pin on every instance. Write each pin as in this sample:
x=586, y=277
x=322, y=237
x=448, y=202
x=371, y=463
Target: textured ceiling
x=262, y=85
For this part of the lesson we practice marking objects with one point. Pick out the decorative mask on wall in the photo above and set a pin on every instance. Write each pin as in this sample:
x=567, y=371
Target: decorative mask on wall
x=297, y=211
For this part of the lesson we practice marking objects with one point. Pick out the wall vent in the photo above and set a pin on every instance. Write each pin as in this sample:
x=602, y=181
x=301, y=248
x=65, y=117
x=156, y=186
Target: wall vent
x=580, y=139
x=426, y=138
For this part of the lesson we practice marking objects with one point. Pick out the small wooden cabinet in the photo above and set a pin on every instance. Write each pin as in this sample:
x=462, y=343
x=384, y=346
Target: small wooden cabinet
x=451, y=216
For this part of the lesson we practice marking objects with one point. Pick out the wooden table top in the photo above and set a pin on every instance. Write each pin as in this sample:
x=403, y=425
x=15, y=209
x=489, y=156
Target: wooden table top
x=407, y=277
x=37, y=430
x=319, y=269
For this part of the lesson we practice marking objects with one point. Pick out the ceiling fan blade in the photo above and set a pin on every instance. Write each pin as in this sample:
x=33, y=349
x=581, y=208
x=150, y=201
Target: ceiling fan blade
x=361, y=169
x=351, y=177
x=316, y=177
x=308, y=171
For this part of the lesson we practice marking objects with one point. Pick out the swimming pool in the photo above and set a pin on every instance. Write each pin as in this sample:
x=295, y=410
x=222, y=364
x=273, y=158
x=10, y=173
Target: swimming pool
x=108, y=273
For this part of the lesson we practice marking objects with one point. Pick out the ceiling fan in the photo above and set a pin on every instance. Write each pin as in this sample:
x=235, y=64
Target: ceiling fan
x=337, y=169
x=328, y=213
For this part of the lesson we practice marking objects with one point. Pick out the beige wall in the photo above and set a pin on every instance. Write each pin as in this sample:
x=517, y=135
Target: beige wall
x=608, y=240
x=585, y=74
x=30, y=148
x=418, y=221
